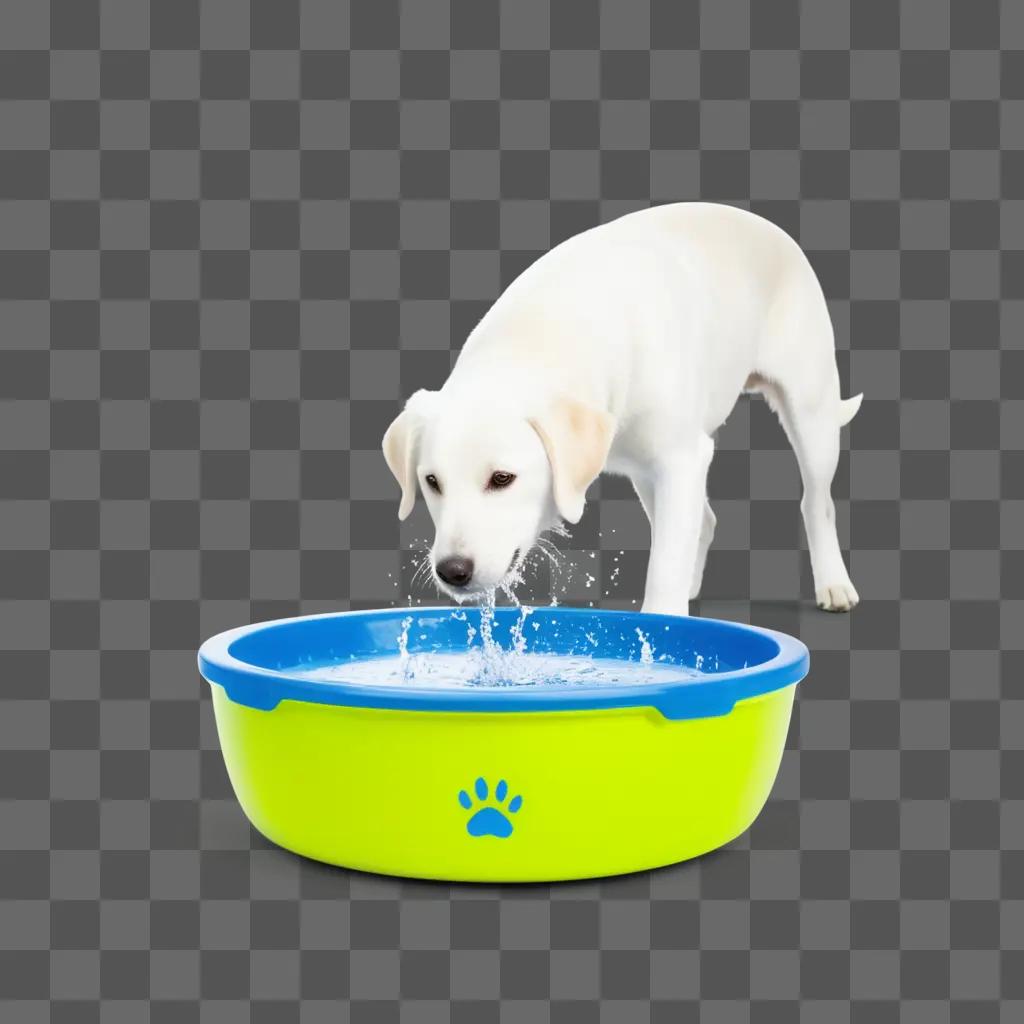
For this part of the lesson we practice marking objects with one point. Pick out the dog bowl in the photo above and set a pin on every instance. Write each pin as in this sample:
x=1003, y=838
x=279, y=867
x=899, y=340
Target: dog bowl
x=503, y=784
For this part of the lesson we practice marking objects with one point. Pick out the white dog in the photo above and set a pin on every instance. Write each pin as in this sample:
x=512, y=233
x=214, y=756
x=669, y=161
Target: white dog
x=623, y=349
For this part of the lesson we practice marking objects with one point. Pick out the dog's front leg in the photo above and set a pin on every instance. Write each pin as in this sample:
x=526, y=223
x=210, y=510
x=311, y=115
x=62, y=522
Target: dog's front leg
x=678, y=481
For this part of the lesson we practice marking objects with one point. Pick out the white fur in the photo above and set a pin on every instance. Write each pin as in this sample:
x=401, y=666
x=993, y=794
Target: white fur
x=656, y=322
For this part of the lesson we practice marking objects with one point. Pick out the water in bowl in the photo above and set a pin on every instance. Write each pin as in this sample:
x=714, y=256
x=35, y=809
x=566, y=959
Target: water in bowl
x=446, y=670
x=488, y=663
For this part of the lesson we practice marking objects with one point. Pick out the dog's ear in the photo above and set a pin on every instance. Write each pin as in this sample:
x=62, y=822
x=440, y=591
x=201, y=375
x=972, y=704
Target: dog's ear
x=400, y=445
x=576, y=438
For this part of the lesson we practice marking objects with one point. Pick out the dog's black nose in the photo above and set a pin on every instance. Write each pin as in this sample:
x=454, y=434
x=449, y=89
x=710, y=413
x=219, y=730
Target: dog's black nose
x=455, y=571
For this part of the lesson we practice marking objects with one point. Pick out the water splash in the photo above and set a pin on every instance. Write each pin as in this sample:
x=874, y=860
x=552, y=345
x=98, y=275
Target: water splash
x=403, y=638
x=646, y=649
x=460, y=616
x=486, y=662
x=497, y=665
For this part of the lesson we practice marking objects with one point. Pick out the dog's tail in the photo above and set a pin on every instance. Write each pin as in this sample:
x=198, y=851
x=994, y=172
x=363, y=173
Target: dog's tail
x=848, y=408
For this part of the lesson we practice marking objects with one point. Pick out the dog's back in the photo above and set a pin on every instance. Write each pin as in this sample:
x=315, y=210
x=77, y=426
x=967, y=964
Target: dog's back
x=655, y=323
x=693, y=298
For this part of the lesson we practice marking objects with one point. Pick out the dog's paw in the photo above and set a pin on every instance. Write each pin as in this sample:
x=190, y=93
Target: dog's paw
x=837, y=597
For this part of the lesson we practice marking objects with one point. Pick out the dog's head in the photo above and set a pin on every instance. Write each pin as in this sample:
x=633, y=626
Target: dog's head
x=493, y=476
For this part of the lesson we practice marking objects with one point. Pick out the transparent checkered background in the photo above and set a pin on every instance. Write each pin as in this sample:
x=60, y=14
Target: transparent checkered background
x=235, y=236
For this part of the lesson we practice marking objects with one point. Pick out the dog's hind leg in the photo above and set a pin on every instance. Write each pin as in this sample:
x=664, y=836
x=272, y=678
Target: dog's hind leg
x=812, y=427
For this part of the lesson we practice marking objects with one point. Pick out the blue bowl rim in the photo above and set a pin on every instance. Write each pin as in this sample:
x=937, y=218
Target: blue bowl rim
x=264, y=688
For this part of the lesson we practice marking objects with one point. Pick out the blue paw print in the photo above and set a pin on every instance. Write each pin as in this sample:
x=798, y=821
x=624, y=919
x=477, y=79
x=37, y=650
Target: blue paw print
x=491, y=820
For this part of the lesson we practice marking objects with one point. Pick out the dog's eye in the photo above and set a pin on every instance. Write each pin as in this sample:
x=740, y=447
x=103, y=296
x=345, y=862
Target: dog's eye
x=432, y=483
x=499, y=480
